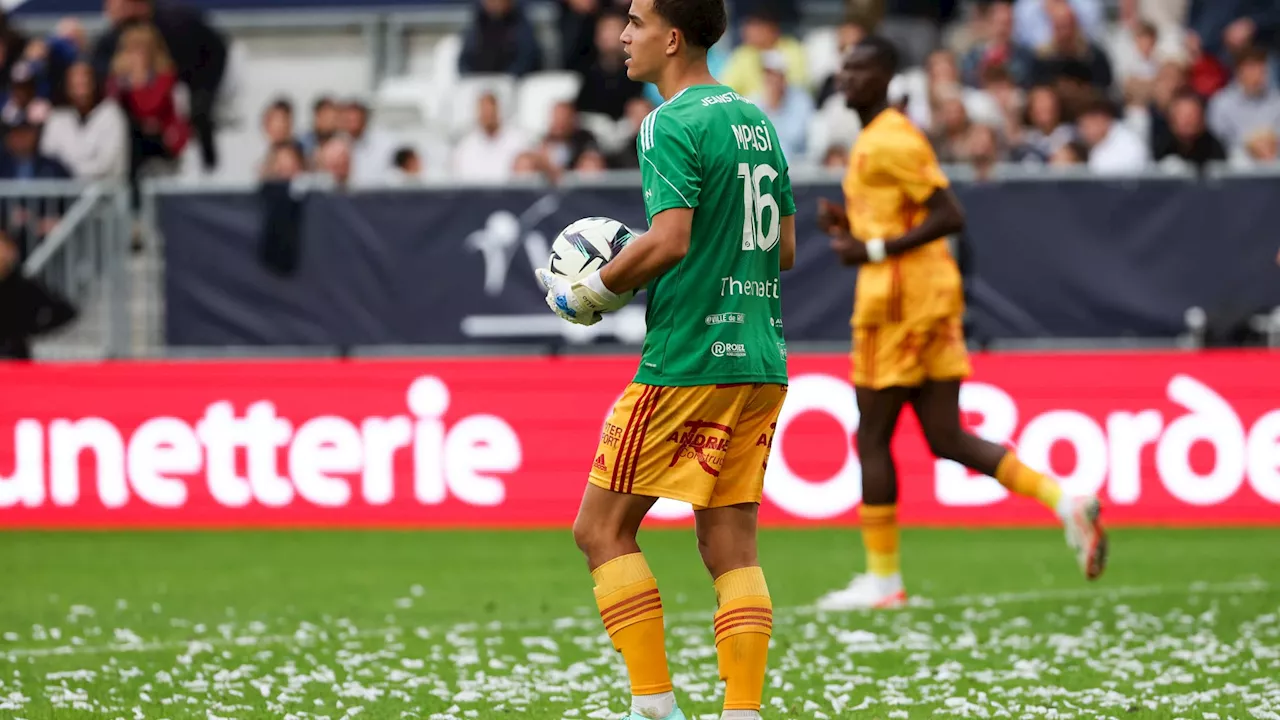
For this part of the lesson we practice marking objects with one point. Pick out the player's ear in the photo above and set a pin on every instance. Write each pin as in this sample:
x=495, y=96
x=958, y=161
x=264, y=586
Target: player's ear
x=673, y=42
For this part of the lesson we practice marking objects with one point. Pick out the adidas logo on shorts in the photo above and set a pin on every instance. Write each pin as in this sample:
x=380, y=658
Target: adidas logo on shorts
x=600, y=464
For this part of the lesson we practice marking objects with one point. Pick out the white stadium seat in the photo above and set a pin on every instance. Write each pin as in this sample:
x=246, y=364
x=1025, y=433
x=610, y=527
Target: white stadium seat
x=406, y=102
x=538, y=93
x=444, y=63
x=461, y=103
x=822, y=52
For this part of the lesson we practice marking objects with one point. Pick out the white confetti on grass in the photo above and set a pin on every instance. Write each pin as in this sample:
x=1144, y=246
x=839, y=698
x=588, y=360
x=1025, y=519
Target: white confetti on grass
x=1094, y=657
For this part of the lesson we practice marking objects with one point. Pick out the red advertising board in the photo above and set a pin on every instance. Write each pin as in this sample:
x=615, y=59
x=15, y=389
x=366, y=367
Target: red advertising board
x=1172, y=438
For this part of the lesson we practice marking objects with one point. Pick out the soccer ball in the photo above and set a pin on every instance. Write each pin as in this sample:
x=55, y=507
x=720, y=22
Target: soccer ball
x=586, y=246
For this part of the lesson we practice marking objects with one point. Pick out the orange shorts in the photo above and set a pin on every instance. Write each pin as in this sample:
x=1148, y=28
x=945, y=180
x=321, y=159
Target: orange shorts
x=908, y=354
x=706, y=445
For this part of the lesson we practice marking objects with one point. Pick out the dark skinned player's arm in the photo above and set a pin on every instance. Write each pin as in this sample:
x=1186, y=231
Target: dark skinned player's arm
x=945, y=218
x=652, y=253
x=788, y=258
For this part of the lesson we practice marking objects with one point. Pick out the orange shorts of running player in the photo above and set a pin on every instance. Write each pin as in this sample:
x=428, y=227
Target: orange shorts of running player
x=910, y=353
x=706, y=445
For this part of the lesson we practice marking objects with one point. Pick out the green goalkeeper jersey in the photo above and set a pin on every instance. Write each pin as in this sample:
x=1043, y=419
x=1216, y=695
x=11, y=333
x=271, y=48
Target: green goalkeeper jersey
x=716, y=317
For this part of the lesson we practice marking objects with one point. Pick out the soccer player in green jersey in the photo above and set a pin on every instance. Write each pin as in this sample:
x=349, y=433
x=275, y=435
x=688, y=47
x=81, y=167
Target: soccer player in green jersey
x=697, y=422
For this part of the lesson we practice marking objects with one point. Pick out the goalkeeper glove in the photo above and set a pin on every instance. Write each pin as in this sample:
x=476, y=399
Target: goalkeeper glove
x=582, y=302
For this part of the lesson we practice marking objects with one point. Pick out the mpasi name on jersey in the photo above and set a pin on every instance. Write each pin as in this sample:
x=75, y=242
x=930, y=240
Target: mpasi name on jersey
x=751, y=288
x=753, y=137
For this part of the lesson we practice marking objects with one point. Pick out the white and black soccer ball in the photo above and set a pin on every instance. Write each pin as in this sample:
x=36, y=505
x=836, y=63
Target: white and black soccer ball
x=588, y=245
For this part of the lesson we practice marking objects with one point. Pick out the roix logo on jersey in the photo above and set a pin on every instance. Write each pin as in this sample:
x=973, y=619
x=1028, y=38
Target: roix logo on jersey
x=155, y=464
x=733, y=350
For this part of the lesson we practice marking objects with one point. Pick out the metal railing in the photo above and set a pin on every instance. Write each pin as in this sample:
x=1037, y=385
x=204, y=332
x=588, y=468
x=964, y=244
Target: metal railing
x=78, y=244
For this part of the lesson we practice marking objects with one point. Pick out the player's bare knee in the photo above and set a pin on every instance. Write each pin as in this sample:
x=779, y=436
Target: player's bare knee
x=720, y=558
x=601, y=539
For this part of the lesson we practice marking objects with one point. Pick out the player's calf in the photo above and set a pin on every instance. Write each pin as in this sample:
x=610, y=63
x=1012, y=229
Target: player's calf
x=744, y=614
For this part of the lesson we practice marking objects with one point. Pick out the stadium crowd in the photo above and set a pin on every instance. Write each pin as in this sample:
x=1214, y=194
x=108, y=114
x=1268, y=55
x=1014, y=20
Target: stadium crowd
x=1114, y=87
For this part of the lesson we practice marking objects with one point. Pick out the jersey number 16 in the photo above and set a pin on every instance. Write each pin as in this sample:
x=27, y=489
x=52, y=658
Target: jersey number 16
x=755, y=232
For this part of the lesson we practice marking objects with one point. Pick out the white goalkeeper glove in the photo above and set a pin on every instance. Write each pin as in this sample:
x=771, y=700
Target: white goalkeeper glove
x=582, y=302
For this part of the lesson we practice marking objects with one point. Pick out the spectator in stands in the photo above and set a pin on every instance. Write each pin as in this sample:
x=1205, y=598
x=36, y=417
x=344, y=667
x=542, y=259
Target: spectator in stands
x=785, y=12
x=1205, y=72
x=565, y=140
x=22, y=159
x=1168, y=16
x=277, y=121
x=277, y=128
x=199, y=57
x=983, y=150
x=1033, y=20
x=1246, y=106
x=528, y=165
x=51, y=57
x=143, y=80
x=90, y=136
x=1113, y=148
x=371, y=149
x=1007, y=101
x=836, y=158
x=24, y=97
x=325, y=115
x=1260, y=148
x=1137, y=64
x=500, y=40
x=1072, y=81
x=591, y=162
x=12, y=44
x=1073, y=154
x=788, y=107
x=942, y=71
x=761, y=33
x=998, y=48
x=1171, y=79
x=1043, y=132
x=30, y=308
x=848, y=35
x=951, y=126
x=606, y=89
x=284, y=162
x=1228, y=28
x=1189, y=141
x=1069, y=42
x=577, y=21
x=488, y=153
x=406, y=165
x=335, y=160
x=626, y=157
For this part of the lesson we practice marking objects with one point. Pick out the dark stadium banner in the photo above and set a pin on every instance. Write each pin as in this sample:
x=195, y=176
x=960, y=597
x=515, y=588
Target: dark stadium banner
x=1174, y=438
x=1048, y=259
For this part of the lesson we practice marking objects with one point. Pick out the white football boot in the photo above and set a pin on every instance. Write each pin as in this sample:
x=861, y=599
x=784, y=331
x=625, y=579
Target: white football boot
x=867, y=592
x=1081, y=517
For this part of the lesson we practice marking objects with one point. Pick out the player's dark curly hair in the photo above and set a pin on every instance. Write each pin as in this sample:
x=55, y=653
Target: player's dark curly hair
x=703, y=22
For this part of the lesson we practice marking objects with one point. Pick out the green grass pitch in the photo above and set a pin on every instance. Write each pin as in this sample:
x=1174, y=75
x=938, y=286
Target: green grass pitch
x=1186, y=624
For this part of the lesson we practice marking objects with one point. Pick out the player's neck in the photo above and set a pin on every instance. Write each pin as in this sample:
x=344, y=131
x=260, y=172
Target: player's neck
x=866, y=115
x=681, y=76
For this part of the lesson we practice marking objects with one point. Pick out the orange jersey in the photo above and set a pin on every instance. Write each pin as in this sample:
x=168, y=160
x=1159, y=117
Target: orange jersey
x=892, y=173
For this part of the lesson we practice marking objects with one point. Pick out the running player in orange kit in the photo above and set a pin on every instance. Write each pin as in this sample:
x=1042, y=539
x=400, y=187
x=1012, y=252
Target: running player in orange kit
x=908, y=344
